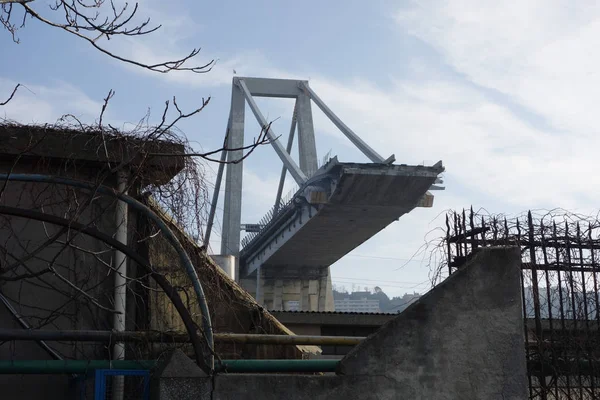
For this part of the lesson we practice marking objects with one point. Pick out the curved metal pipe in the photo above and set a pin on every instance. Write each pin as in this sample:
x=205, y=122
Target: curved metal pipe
x=184, y=258
x=160, y=279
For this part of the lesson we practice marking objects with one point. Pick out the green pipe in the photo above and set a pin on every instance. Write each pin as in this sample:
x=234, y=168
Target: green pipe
x=55, y=367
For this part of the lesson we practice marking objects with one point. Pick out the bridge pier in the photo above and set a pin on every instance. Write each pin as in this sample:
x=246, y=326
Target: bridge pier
x=305, y=295
x=297, y=288
x=325, y=291
x=307, y=148
x=232, y=208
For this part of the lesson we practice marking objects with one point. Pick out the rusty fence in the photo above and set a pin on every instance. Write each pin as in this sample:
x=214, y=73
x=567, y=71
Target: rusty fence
x=561, y=262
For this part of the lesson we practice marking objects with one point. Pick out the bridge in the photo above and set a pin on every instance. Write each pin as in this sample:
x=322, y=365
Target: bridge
x=284, y=258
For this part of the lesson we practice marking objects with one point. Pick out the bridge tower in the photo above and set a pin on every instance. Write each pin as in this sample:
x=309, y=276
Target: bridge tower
x=284, y=260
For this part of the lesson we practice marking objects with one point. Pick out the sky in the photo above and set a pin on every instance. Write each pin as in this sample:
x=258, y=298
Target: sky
x=504, y=93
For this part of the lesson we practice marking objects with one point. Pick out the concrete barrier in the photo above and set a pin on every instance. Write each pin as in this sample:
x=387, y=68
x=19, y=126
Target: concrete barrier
x=462, y=340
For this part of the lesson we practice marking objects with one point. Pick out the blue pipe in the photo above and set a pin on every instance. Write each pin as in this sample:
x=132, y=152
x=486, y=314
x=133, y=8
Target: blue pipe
x=184, y=258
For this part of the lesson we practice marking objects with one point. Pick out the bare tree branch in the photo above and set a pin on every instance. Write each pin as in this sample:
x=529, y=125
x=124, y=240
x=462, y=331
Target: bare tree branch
x=93, y=20
x=261, y=140
x=11, y=95
x=80, y=270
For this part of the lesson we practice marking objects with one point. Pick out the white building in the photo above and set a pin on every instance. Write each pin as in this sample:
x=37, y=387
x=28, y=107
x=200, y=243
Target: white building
x=361, y=305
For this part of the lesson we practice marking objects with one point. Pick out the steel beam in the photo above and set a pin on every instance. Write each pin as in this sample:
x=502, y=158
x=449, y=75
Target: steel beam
x=290, y=143
x=358, y=142
x=266, y=87
x=290, y=164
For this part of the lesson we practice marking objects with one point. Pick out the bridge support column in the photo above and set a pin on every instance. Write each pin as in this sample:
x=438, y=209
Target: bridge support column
x=324, y=285
x=277, y=285
x=232, y=215
x=307, y=146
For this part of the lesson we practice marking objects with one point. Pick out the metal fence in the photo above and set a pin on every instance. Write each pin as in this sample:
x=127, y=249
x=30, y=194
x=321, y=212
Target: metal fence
x=560, y=267
x=266, y=221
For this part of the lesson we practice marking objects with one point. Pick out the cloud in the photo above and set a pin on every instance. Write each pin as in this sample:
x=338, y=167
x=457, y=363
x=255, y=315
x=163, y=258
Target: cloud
x=176, y=38
x=515, y=121
x=247, y=63
x=542, y=54
x=46, y=103
x=486, y=148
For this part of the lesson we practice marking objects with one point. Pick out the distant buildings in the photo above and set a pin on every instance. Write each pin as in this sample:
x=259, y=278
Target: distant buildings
x=357, y=305
x=375, y=301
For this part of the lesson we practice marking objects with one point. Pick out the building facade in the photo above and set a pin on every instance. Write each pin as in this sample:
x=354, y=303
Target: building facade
x=357, y=305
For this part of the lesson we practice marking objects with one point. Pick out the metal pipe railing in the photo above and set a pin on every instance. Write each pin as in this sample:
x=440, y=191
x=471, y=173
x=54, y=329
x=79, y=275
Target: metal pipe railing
x=55, y=367
x=160, y=279
x=169, y=235
x=288, y=339
x=163, y=337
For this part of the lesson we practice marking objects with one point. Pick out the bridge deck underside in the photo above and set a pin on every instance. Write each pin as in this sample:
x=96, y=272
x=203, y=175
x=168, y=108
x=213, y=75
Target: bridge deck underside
x=365, y=201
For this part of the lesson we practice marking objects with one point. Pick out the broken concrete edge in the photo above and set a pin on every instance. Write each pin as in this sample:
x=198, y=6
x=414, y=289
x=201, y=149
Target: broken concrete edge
x=482, y=256
x=60, y=144
x=464, y=340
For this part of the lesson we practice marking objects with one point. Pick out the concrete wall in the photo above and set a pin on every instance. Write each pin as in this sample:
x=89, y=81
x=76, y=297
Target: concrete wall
x=462, y=340
x=47, y=302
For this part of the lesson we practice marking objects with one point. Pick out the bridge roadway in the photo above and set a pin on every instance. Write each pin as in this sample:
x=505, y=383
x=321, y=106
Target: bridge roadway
x=341, y=206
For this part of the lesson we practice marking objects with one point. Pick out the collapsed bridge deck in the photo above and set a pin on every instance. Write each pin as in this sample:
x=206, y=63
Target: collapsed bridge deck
x=340, y=207
x=284, y=260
